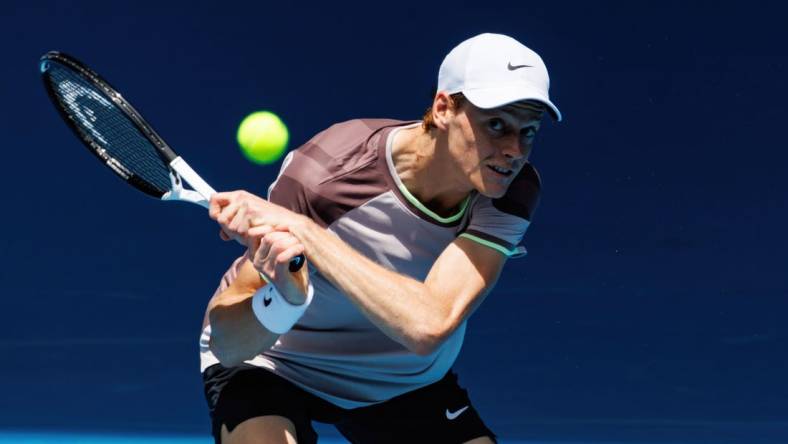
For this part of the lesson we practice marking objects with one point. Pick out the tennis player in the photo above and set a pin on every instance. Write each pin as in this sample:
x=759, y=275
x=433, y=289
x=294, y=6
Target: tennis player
x=406, y=227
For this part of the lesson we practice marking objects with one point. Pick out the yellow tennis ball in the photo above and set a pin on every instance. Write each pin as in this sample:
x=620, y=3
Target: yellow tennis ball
x=262, y=137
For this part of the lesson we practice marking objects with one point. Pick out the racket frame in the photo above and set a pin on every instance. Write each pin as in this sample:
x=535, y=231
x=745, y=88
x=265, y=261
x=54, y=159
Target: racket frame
x=179, y=169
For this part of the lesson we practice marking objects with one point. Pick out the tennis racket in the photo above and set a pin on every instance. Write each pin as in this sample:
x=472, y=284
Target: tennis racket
x=119, y=137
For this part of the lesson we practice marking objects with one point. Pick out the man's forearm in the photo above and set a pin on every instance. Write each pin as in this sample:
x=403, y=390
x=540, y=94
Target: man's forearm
x=236, y=334
x=399, y=305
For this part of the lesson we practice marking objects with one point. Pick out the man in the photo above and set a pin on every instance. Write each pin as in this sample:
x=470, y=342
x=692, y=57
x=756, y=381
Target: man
x=406, y=227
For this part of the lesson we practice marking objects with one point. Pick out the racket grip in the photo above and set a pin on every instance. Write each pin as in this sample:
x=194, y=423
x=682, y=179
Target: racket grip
x=296, y=263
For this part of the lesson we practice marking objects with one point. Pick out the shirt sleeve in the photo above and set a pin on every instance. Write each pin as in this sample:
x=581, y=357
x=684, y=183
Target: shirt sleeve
x=286, y=191
x=501, y=223
x=330, y=174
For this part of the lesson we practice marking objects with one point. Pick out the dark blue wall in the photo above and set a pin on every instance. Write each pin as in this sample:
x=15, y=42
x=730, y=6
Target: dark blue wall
x=652, y=304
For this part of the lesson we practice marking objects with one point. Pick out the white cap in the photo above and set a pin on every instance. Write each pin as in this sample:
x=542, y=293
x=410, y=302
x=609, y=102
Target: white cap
x=493, y=70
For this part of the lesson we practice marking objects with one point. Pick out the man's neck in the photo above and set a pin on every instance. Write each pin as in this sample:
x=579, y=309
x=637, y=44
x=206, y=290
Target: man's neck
x=423, y=166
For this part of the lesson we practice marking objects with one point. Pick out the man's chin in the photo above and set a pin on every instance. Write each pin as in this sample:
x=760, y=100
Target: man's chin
x=493, y=192
x=494, y=187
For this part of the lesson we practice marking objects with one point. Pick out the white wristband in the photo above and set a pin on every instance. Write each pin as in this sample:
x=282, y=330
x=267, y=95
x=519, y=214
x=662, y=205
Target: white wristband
x=275, y=312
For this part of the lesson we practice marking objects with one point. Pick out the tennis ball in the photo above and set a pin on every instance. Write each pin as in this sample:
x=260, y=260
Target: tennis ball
x=262, y=137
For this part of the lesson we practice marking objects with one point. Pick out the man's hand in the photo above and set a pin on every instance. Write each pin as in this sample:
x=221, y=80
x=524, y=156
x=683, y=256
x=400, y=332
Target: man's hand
x=270, y=252
x=238, y=211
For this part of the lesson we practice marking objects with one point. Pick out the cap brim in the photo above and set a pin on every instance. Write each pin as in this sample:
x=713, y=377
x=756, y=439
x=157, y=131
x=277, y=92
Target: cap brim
x=487, y=98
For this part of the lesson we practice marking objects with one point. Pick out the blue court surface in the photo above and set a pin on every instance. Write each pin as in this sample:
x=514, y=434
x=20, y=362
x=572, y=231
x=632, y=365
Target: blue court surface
x=74, y=438
x=69, y=438
x=53, y=438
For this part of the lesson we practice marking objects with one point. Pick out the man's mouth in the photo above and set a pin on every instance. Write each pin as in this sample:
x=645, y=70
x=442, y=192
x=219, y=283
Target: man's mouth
x=504, y=172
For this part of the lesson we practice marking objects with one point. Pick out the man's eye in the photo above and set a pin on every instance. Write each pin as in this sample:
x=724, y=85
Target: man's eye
x=496, y=125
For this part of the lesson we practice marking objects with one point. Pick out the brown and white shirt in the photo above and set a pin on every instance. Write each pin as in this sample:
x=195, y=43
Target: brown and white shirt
x=344, y=179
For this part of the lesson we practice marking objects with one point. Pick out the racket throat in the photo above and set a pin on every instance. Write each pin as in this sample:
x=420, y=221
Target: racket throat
x=180, y=171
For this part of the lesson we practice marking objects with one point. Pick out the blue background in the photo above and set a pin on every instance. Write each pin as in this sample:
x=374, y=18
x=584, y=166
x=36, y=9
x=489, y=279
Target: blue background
x=652, y=304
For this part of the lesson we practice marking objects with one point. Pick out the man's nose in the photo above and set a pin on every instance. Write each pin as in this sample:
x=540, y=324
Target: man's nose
x=516, y=149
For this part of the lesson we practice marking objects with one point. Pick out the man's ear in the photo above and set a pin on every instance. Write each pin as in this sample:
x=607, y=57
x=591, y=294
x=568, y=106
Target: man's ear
x=442, y=109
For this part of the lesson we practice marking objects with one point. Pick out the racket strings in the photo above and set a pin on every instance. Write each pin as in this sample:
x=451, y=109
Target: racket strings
x=104, y=124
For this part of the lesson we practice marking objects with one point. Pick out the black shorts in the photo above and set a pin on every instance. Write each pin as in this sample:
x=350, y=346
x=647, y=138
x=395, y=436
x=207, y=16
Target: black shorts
x=438, y=413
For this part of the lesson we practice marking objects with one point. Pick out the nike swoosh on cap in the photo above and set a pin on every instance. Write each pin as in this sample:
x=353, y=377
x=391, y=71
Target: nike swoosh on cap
x=267, y=301
x=513, y=67
x=453, y=415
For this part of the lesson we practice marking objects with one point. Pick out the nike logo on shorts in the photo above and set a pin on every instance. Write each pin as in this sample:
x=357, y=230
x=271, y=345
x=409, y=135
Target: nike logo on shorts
x=453, y=415
x=267, y=301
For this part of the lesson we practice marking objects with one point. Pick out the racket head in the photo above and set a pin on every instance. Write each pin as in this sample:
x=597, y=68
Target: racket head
x=107, y=124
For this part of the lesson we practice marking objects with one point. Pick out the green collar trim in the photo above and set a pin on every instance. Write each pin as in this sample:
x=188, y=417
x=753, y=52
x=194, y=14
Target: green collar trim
x=444, y=220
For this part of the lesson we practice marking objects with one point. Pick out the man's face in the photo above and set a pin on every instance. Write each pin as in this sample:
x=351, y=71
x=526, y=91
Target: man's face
x=491, y=146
